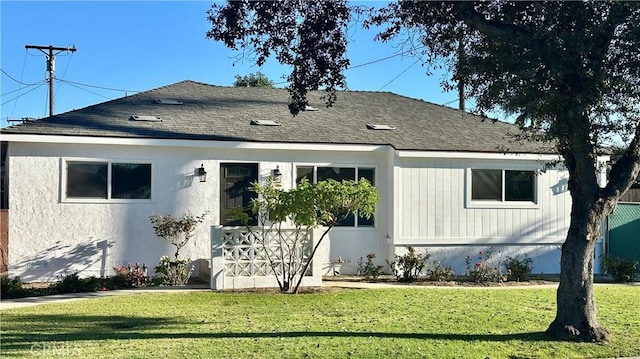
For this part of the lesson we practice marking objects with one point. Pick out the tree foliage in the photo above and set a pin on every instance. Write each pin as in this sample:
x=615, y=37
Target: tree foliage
x=257, y=79
x=304, y=208
x=290, y=30
x=178, y=231
x=569, y=70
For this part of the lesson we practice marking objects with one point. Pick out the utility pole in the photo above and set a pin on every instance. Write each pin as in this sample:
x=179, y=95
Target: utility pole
x=461, y=94
x=51, y=65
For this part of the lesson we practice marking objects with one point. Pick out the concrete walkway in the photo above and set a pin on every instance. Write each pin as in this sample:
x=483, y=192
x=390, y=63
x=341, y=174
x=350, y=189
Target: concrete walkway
x=72, y=297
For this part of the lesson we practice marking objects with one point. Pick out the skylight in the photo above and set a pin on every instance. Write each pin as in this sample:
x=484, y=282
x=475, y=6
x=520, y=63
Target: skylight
x=378, y=127
x=146, y=118
x=167, y=101
x=265, y=123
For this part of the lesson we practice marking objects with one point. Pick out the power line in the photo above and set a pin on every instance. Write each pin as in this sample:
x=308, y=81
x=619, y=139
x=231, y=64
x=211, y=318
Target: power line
x=83, y=89
x=15, y=98
x=22, y=88
x=371, y=62
x=65, y=70
x=400, y=74
x=13, y=79
x=384, y=58
x=98, y=87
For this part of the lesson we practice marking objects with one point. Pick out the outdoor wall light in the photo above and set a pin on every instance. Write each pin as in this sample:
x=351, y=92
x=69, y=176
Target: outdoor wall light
x=277, y=175
x=202, y=173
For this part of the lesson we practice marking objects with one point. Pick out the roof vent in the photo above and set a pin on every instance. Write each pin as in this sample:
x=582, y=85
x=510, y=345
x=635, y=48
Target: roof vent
x=378, y=127
x=310, y=108
x=167, y=101
x=146, y=118
x=265, y=123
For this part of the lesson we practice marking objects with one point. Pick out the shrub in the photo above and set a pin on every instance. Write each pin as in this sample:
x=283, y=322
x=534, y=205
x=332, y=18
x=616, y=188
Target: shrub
x=174, y=272
x=621, y=270
x=9, y=287
x=176, y=230
x=130, y=276
x=484, y=269
x=519, y=269
x=368, y=269
x=408, y=266
x=72, y=283
x=437, y=272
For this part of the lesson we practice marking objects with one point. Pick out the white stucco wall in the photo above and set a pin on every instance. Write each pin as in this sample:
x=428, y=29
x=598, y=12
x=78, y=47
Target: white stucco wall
x=423, y=203
x=50, y=236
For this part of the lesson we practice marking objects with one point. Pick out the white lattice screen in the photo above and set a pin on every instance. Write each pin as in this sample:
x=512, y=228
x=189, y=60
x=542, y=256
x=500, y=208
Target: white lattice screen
x=245, y=255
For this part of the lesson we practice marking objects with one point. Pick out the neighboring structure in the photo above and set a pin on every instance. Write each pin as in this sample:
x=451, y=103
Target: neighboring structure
x=81, y=185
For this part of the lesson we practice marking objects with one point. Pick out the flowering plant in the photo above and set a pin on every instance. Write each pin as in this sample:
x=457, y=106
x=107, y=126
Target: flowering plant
x=130, y=276
x=485, y=269
x=174, y=272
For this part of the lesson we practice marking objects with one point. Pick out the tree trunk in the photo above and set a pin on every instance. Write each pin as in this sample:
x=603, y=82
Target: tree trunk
x=576, y=314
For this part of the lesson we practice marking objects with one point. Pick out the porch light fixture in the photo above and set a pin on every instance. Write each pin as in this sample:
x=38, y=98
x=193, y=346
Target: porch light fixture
x=202, y=173
x=277, y=175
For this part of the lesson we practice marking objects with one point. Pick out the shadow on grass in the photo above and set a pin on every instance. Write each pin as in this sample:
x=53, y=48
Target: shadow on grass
x=21, y=332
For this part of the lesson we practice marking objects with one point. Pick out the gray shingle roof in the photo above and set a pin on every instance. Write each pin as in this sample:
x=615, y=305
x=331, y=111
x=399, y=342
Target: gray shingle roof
x=224, y=113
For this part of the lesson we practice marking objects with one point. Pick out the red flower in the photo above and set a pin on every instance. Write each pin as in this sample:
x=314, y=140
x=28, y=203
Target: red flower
x=480, y=253
x=479, y=264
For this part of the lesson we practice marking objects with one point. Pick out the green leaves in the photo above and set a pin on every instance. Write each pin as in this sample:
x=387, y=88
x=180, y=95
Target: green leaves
x=176, y=230
x=312, y=205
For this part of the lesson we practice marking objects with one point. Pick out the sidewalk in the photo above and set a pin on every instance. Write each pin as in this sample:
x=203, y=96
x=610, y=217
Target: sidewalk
x=71, y=297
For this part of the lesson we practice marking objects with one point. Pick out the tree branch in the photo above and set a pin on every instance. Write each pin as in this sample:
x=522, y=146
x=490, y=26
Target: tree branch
x=624, y=171
x=466, y=12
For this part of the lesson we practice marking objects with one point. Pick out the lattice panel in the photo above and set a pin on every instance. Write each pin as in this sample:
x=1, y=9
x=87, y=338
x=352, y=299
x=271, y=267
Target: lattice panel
x=624, y=214
x=245, y=255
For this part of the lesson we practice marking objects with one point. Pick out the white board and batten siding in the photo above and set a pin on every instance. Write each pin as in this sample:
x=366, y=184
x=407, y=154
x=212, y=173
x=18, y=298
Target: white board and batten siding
x=433, y=212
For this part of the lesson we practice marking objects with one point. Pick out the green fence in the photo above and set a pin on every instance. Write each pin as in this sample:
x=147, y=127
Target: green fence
x=624, y=231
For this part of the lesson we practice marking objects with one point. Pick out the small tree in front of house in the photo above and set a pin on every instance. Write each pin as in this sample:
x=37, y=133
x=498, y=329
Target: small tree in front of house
x=287, y=218
x=178, y=231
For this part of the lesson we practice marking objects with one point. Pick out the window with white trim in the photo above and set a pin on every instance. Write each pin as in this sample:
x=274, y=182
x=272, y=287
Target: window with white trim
x=107, y=180
x=503, y=186
x=314, y=174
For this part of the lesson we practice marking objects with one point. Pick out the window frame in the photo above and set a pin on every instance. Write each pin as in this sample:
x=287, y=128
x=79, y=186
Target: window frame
x=503, y=203
x=356, y=224
x=109, y=162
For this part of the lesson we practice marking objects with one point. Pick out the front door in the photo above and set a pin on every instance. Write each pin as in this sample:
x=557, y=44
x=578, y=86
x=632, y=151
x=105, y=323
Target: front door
x=235, y=184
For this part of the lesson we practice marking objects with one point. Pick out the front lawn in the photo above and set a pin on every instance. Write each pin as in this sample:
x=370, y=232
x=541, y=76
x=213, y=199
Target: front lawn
x=380, y=323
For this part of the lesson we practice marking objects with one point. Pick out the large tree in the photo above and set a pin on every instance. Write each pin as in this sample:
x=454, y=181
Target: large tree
x=569, y=70
x=257, y=79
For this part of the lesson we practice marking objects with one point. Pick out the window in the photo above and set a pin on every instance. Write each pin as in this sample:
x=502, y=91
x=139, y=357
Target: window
x=107, y=180
x=503, y=186
x=315, y=174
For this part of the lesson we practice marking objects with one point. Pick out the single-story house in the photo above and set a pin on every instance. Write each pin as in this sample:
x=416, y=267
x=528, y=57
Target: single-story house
x=81, y=185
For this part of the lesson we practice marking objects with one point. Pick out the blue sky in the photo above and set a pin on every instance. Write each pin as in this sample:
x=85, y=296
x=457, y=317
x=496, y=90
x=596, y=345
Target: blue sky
x=138, y=46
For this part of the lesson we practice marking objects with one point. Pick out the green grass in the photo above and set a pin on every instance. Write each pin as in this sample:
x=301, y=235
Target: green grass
x=382, y=323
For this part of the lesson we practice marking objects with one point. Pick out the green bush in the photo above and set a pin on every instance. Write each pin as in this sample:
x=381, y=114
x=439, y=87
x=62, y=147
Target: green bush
x=519, y=269
x=174, y=272
x=9, y=287
x=72, y=283
x=437, y=272
x=621, y=270
x=408, y=266
x=368, y=269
